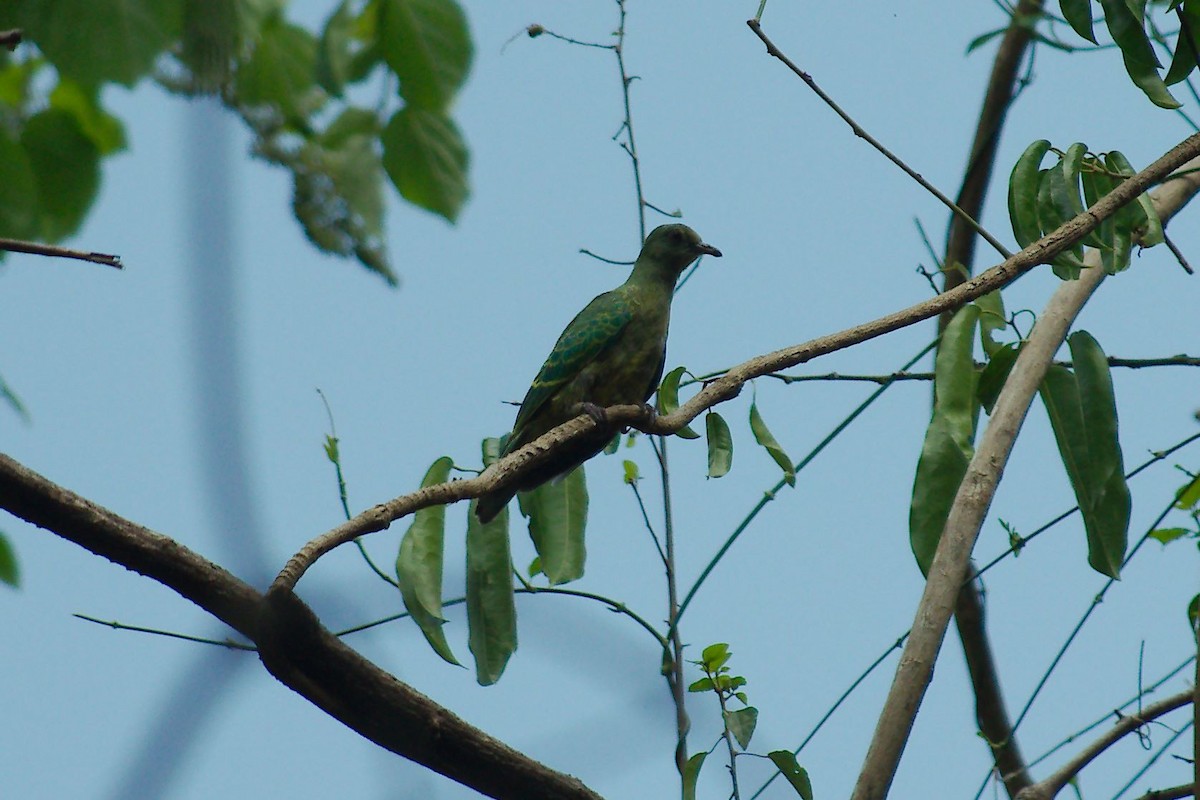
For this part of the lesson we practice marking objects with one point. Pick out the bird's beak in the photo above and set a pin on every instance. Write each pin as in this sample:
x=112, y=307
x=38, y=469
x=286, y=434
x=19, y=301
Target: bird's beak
x=708, y=249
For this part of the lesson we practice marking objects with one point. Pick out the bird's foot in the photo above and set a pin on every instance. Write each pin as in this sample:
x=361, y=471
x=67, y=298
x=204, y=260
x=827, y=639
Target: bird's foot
x=597, y=413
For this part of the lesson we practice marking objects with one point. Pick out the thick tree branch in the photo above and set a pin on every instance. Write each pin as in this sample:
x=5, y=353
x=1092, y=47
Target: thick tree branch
x=507, y=470
x=1050, y=787
x=294, y=647
x=951, y=561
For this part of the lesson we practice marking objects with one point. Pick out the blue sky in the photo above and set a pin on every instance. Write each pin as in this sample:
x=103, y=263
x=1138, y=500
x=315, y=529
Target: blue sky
x=818, y=235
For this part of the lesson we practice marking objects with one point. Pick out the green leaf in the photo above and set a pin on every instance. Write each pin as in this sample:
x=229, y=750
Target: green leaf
x=18, y=191
x=1139, y=218
x=426, y=159
x=557, y=512
x=1067, y=264
x=668, y=400
x=762, y=435
x=1189, y=495
x=702, y=685
x=334, y=57
x=66, y=168
x=10, y=570
x=720, y=445
x=419, y=565
x=428, y=45
x=715, y=656
x=14, y=402
x=741, y=724
x=1136, y=51
x=991, y=321
x=281, y=72
x=1187, y=47
x=491, y=609
x=796, y=775
x=948, y=447
x=1193, y=615
x=1023, y=193
x=1168, y=535
x=992, y=379
x=1078, y=14
x=105, y=130
x=1083, y=415
x=631, y=471
x=102, y=40
x=691, y=773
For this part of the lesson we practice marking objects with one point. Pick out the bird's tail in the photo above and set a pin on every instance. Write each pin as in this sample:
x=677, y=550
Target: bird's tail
x=489, y=505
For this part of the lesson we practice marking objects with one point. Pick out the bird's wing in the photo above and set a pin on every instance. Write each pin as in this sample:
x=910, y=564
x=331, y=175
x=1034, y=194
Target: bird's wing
x=594, y=329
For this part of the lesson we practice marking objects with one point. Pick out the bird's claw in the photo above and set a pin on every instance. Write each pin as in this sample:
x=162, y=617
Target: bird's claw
x=598, y=414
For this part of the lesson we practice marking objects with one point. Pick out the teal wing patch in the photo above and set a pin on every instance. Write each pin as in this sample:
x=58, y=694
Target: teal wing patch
x=594, y=328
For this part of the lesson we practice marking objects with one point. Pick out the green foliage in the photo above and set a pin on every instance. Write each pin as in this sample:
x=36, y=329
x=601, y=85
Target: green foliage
x=796, y=775
x=1042, y=200
x=668, y=400
x=283, y=80
x=763, y=436
x=948, y=440
x=1083, y=414
x=720, y=445
x=557, y=513
x=491, y=609
x=691, y=773
x=10, y=570
x=419, y=565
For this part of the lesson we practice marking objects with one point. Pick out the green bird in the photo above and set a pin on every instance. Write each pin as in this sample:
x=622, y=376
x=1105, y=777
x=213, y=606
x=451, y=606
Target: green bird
x=611, y=354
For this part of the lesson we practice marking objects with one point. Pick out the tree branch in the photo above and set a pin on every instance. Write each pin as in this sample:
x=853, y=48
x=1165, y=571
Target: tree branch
x=508, y=470
x=1049, y=787
x=294, y=647
x=971, y=503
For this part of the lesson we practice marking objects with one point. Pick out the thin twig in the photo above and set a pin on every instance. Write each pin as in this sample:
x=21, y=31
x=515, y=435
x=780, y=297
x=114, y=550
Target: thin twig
x=121, y=626
x=862, y=134
x=38, y=249
x=1179, y=256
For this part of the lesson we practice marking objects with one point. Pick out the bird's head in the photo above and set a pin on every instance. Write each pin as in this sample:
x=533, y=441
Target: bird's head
x=675, y=246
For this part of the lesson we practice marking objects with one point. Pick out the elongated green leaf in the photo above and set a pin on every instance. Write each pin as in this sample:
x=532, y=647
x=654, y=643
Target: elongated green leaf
x=1138, y=218
x=948, y=447
x=991, y=320
x=796, y=775
x=1023, y=192
x=715, y=656
x=419, y=565
x=1067, y=264
x=720, y=445
x=741, y=724
x=1096, y=184
x=332, y=68
x=1108, y=493
x=1168, y=535
x=10, y=571
x=762, y=435
x=691, y=773
x=668, y=400
x=557, y=513
x=426, y=159
x=428, y=45
x=1137, y=52
x=1078, y=14
x=1193, y=615
x=491, y=610
x=992, y=379
x=1085, y=430
x=1187, y=47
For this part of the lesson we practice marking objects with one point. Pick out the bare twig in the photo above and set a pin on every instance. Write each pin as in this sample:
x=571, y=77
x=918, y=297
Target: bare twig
x=871, y=140
x=38, y=249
